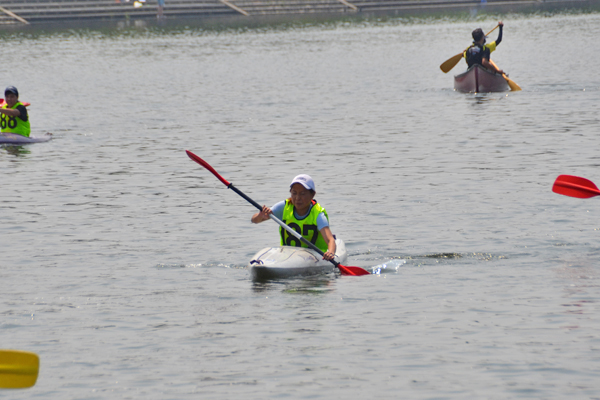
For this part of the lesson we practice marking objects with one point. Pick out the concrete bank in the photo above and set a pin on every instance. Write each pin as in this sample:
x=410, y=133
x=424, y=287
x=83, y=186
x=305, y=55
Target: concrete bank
x=21, y=13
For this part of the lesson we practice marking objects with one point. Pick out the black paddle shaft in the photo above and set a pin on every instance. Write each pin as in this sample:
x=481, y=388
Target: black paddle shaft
x=248, y=199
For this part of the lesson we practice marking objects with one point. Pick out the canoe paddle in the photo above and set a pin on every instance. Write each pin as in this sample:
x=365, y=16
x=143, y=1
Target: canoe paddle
x=345, y=270
x=18, y=369
x=512, y=84
x=452, y=61
x=574, y=186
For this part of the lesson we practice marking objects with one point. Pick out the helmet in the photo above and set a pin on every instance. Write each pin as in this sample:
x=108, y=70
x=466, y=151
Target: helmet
x=11, y=89
x=478, y=34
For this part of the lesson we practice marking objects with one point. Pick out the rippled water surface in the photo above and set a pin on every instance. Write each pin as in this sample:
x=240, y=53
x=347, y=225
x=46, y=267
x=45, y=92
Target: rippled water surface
x=122, y=262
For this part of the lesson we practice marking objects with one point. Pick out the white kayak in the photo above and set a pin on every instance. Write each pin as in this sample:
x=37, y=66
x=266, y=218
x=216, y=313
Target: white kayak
x=287, y=261
x=13, y=138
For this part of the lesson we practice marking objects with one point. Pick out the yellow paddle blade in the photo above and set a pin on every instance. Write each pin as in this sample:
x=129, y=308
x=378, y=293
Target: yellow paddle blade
x=451, y=63
x=512, y=84
x=18, y=369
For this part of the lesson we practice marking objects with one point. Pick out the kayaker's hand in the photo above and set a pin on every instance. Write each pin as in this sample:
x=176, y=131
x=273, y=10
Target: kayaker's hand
x=500, y=23
x=265, y=212
x=328, y=256
x=262, y=215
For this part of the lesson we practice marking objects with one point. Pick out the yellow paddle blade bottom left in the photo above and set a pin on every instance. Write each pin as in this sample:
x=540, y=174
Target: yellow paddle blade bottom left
x=18, y=369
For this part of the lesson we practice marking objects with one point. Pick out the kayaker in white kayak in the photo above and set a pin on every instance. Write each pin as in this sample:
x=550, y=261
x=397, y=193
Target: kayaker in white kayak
x=13, y=114
x=303, y=214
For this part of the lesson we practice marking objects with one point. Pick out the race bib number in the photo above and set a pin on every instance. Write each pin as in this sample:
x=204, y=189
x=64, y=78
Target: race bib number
x=310, y=232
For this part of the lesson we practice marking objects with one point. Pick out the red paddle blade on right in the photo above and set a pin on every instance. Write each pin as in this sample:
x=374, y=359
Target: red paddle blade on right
x=575, y=186
x=352, y=271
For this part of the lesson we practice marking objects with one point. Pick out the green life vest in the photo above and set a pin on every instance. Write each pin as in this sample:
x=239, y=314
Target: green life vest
x=14, y=124
x=307, y=226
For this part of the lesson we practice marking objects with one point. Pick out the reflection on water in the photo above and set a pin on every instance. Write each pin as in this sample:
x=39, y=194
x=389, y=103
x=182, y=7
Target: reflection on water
x=15, y=150
x=483, y=98
x=315, y=284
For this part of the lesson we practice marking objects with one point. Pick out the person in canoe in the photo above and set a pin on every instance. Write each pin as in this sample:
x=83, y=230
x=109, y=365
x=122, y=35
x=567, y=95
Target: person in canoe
x=303, y=214
x=13, y=114
x=479, y=52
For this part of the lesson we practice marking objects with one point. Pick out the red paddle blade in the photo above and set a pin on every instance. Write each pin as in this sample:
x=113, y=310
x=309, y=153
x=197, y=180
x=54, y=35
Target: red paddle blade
x=207, y=166
x=353, y=271
x=26, y=104
x=575, y=186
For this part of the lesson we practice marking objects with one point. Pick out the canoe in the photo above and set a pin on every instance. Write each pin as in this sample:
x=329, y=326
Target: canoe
x=13, y=138
x=288, y=261
x=477, y=79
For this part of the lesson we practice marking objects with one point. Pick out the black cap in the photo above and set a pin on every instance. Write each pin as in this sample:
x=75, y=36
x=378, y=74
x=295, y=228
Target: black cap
x=11, y=89
x=478, y=34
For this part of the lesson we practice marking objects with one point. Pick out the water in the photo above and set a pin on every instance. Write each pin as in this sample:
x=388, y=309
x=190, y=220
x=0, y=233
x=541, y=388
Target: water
x=122, y=261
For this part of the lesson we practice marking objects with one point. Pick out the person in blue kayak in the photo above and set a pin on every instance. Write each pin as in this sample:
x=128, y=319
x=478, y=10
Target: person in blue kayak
x=13, y=114
x=303, y=214
x=479, y=52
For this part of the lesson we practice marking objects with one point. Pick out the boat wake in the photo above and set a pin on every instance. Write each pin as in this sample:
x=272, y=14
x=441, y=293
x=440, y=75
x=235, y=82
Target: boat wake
x=390, y=266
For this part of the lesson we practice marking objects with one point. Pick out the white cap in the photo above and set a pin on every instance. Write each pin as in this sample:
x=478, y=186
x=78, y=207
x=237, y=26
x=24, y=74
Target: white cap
x=305, y=181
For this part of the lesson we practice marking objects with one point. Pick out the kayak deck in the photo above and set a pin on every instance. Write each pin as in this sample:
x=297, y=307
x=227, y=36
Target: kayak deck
x=13, y=138
x=288, y=261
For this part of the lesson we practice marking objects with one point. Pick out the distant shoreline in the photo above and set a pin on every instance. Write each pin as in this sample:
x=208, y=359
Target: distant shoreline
x=26, y=15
